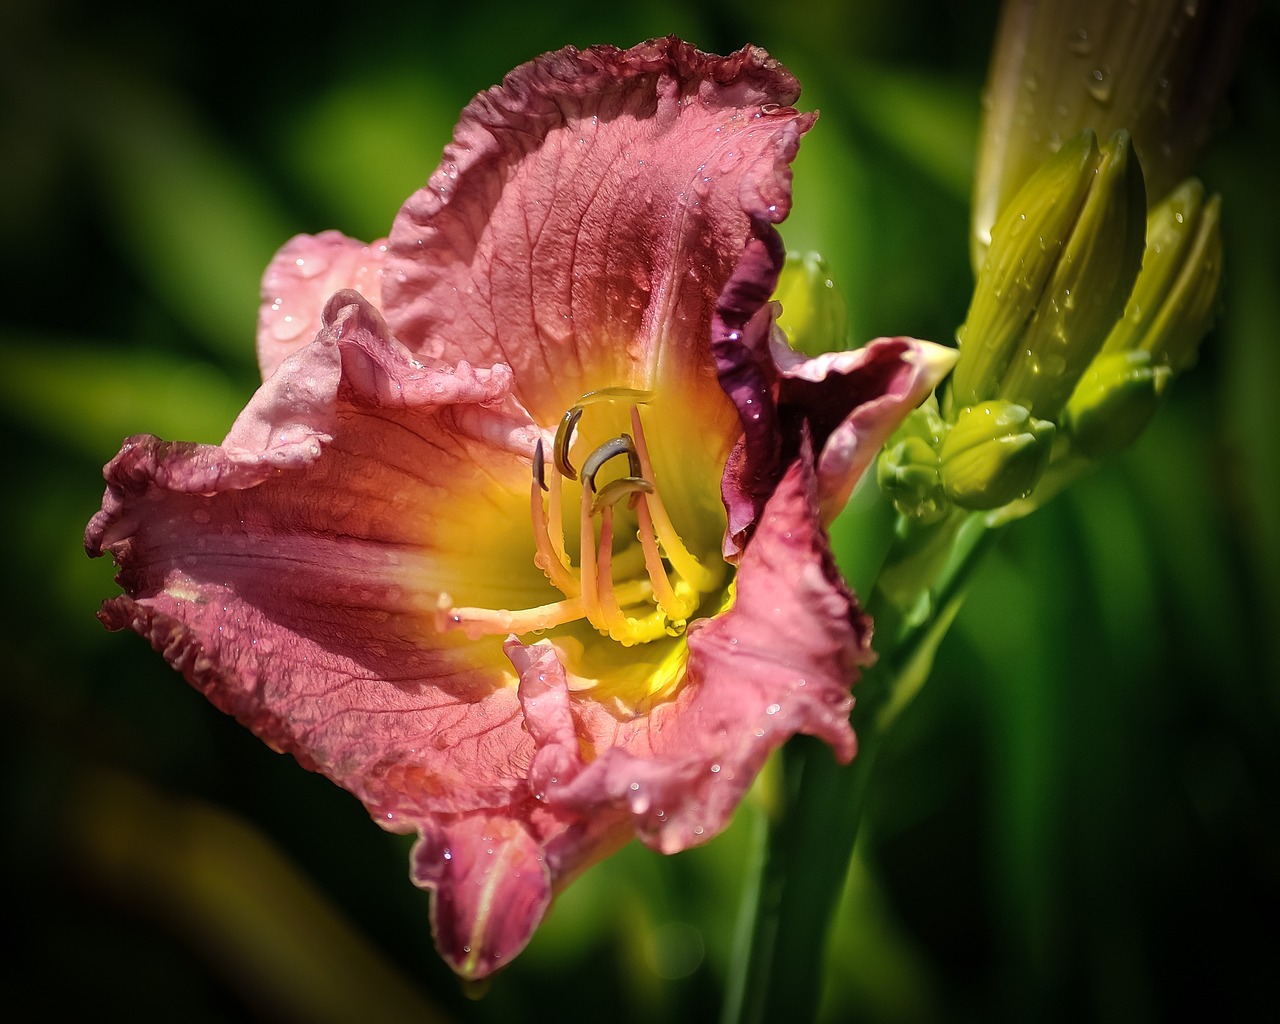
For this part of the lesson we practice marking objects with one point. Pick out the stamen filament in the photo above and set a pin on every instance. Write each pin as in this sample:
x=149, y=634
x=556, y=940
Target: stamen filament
x=610, y=614
x=682, y=560
x=587, y=560
x=478, y=622
x=621, y=627
x=555, y=512
x=665, y=597
x=548, y=555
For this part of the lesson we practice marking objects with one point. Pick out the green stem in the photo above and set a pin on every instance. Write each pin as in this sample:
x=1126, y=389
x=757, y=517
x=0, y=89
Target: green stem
x=803, y=854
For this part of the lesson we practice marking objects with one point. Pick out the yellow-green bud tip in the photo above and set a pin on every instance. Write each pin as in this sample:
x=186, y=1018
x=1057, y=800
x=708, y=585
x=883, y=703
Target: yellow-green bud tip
x=1115, y=401
x=814, y=316
x=994, y=454
x=1176, y=294
x=1063, y=258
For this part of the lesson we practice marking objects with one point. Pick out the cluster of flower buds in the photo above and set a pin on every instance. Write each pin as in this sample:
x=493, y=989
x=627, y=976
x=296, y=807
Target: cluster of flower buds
x=1096, y=277
x=1075, y=329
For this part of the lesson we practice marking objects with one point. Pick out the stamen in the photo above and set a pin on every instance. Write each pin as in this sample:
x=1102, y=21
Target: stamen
x=667, y=599
x=610, y=613
x=539, y=470
x=682, y=560
x=623, y=628
x=549, y=551
x=587, y=560
x=564, y=438
x=478, y=622
x=647, y=605
x=594, y=462
x=634, y=395
x=555, y=512
x=615, y=490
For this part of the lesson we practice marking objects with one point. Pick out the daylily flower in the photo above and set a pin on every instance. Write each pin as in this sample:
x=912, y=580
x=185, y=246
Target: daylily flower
x=522, y=541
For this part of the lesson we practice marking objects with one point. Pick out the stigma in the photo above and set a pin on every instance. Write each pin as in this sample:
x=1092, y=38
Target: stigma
x=628, y=574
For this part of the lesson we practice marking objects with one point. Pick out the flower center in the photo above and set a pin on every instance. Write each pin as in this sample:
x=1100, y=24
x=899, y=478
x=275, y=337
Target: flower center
x=633, y=591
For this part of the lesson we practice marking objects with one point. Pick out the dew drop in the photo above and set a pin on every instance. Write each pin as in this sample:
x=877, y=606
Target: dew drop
x=286, y=328
x=311, y=266
x=1100, y=83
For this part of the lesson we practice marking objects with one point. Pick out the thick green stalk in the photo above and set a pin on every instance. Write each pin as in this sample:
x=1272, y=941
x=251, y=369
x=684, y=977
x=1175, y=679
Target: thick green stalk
x=804, y=849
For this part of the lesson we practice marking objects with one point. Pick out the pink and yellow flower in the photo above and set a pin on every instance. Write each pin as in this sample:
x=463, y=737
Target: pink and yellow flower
x=522, y=541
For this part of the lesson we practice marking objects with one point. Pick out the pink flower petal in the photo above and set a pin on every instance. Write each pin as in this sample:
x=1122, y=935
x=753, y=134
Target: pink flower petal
x=491, y=886
x=589, y=212
x=853, y=401
x=298, y=282
x=292, y=574
x=848, y=402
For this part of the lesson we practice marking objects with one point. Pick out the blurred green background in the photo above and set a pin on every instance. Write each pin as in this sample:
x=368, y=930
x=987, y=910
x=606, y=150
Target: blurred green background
x=1077, y=819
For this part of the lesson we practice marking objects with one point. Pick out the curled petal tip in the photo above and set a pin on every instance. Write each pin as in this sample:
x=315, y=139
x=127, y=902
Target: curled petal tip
x=933, y=360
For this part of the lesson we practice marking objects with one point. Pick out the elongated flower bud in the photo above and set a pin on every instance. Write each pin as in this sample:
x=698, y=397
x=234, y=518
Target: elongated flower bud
x=814, y=316
x=1062, y=262
x=1115, y=401
x=1168, y=313
x=1156, y=68
x=1173, y=302
x=1088, y=289
x=995, y=453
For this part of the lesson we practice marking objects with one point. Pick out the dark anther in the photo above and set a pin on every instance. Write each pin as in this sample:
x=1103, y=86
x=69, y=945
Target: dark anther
x=621, y=445
x=539, y=470
x=615, y=490
x=564, y=438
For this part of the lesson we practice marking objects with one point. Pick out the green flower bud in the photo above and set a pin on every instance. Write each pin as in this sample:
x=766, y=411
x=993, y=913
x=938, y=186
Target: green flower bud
x=1156, y=68
x=1088, y=289
x=994, y=454
x=1173, y=302
x=1063, y=259
x=814, y=316
x=909, y=475
x=1115, y=401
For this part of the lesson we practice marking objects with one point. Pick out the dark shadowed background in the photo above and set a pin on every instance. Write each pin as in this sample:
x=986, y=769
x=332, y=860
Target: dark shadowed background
x=1077, y=819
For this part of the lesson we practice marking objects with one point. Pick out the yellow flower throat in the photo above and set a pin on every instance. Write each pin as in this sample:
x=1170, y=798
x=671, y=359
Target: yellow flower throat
x=643, y=591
